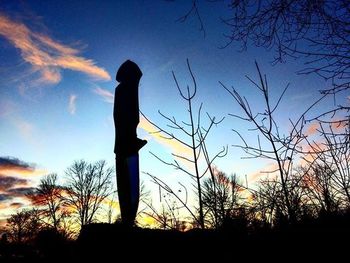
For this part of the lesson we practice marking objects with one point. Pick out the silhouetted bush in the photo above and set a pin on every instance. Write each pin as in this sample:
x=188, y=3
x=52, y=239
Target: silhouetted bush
x=51, y=244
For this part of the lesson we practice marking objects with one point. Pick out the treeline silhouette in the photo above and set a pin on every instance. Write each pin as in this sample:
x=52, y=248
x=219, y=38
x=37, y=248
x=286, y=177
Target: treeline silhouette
x=299, y=211
x=58, y=211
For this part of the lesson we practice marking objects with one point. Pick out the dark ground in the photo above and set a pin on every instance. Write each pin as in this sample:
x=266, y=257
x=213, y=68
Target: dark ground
x=309, y=242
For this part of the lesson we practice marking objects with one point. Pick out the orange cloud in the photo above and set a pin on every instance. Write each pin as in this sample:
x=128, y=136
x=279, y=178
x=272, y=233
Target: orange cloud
x=50, y=75
x=15, y=184
x=2, y=224
x=105, y=94
x=110, y=202
x=336, y=125
x=55, y=45
x=14, y=167
x=84, y=65
x=147, y=221
x=16, y=205
x=312, y=129
x=339, y=125
x=38, y=199
x=269, y=169
x=8, y=182
x=72, y=104
x=16, y=170
x=46, y=55
x=175, y=146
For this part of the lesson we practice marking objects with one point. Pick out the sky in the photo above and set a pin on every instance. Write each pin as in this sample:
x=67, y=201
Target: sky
x=57, y=80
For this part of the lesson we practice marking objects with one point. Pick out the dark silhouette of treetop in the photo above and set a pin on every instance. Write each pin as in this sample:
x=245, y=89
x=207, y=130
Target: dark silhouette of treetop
x=317, y=31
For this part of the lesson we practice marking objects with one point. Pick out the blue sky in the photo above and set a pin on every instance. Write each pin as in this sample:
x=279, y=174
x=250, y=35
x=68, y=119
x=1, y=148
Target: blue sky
x=57, y=78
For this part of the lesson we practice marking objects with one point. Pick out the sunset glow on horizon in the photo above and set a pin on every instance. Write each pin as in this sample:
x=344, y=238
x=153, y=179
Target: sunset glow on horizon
x=57, y=81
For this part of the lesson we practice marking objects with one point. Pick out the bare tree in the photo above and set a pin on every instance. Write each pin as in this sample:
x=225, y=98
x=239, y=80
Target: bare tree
x=165, y=217
x=263, y=202
x=329, y=160
x=191, y=135
x=48, y=195
x=220, y=197
x=168, y=215
x=88, y=185
x=23, y=225
x=193, y=10
x=317, y=31
x=268, y=202
x=281, y=149
x=180, y=202
x=319, y=187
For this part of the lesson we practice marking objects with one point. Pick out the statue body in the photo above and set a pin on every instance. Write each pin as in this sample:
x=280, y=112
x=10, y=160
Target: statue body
x=127, y=145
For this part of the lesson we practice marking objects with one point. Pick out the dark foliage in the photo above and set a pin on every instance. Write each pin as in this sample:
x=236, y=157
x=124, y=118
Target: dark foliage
x=312, y=239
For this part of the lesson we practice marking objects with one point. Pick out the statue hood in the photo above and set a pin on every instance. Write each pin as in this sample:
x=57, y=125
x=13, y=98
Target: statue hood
x=128, y=71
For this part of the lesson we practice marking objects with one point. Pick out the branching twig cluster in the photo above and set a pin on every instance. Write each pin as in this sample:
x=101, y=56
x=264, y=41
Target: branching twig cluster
x=195, y=136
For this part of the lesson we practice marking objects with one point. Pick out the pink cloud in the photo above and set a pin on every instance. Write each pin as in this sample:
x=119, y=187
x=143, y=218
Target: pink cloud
x=336, y=125
x=49, y=75
x=339, y=125
x=268, y=170
x=18, y=169
x=312, y=129
x=105, y=94
x=7, y=182
x=46, y=55
x=24, y=127
x=175, y=146
x=181, y=153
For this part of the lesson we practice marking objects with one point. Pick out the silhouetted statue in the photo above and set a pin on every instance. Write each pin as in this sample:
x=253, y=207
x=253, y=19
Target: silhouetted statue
x=127, y=145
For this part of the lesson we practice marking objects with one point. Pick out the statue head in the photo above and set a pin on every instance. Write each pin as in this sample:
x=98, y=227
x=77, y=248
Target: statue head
x=129, y=71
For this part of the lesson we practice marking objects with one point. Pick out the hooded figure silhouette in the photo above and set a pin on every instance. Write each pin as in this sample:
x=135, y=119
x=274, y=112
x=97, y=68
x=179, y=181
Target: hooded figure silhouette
x=126, y=110
x=127, y=145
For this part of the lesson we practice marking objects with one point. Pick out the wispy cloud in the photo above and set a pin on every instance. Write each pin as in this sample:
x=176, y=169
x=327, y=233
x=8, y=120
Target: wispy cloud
x=72, y=104
x=336, y=125
x=14, y=167
x=24, y=127
x=269, y=169
x=105, y=94
x=16, y=183
x=7, y=107
x=175, y=146
x=8, y=182
x=312, y=129
x=339, y=125
x=5, y=197
x=46, y=55
x=16, y=205
x=21, y=191
x=10, y=112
